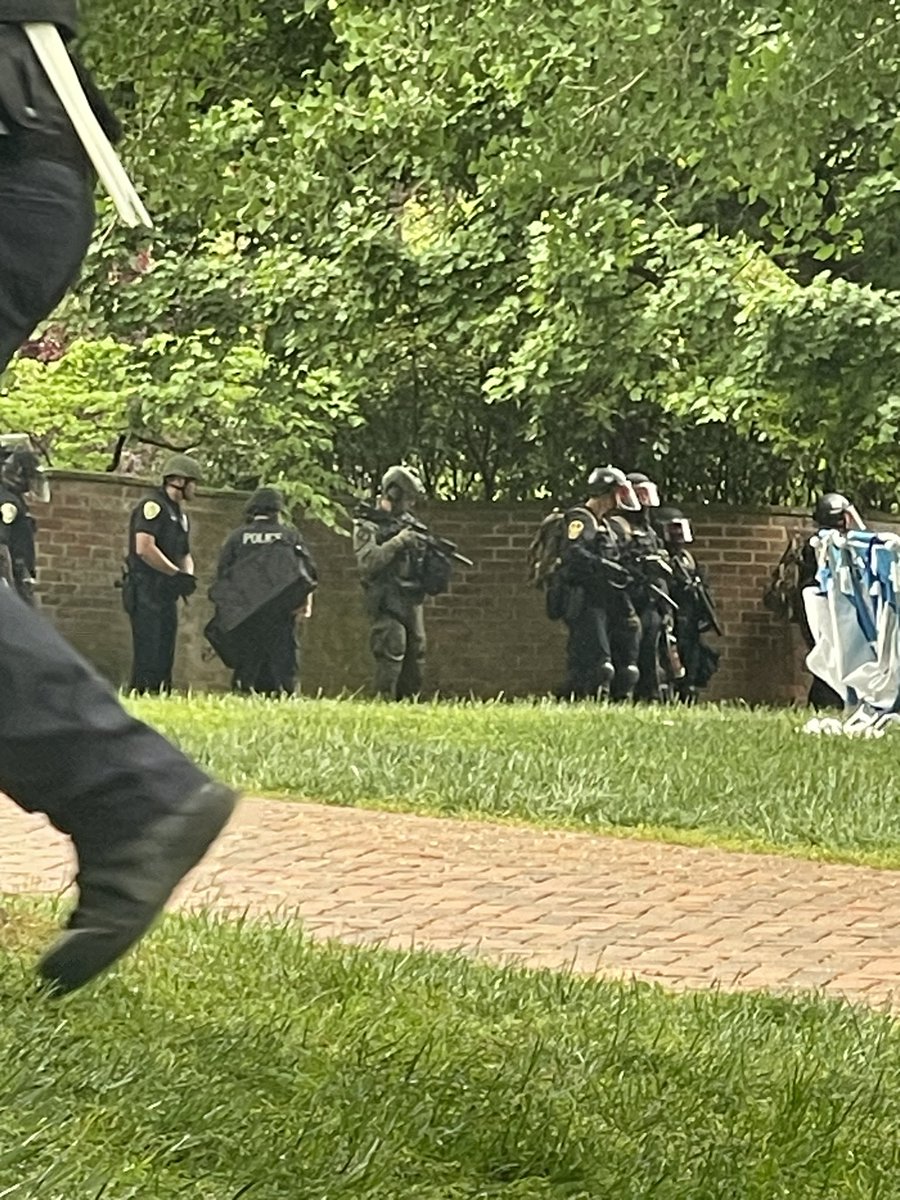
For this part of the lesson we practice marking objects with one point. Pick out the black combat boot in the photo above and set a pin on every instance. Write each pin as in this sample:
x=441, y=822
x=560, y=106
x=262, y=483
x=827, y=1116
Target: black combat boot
x=624, y=683
x=125, y=876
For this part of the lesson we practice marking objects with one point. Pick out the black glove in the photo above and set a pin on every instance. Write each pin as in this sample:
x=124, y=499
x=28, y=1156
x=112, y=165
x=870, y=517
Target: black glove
x=184, y=584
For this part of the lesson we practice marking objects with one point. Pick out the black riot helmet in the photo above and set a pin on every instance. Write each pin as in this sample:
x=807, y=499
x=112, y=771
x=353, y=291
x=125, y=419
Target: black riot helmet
x=645, y=489
x=265, y=502
x=21, y=469
x=673, y=526
x=402, y=486
x=610, y=481
x=834, y=511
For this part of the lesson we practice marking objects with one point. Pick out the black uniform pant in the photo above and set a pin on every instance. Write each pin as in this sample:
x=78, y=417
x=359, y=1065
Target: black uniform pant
x=602, y=648
x=589, y=663
x=648, y=687
x=397, y=640
x=46, y=221
x=154, y=627
x=67, y=747
x=268, y=660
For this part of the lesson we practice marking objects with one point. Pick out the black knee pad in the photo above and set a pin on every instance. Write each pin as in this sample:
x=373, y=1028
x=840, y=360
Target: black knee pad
x=627, y=680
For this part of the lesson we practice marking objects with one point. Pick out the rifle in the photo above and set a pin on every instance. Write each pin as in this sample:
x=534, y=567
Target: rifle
x=617, y=576
x=643, y=568
x=439, y=544
x=695, y=584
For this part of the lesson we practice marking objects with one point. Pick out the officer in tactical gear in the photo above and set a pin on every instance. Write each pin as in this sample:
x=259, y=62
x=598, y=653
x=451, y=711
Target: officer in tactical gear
x=696, y=612
x=398, y=566
x=20, y=476
x=264, y=583
x=159, y=572
x=590, y=589
x=646, y=560
x=139, y=813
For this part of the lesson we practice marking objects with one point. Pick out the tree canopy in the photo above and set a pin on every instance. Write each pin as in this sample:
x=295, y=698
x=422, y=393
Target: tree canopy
x=503, y=241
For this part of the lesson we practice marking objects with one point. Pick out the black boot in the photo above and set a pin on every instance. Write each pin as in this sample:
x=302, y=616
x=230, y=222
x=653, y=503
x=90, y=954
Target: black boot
x=125, y=881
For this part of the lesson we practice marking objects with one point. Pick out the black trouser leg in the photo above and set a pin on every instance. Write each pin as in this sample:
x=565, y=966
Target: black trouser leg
x=139, y=812
x=582, y=654
x=648, y=687
x=46, y=221
x=282, y=658
x=154, y=626
x=822, y=695
x=589, y=668
x=269, y=661
x=625, y=639
x=67, y=747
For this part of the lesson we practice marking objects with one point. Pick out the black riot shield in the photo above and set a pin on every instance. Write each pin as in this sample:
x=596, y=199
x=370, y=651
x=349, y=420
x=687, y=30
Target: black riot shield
x=264, y=585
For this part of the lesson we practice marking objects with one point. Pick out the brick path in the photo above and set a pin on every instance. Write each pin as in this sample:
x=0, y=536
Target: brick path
x=687, y=918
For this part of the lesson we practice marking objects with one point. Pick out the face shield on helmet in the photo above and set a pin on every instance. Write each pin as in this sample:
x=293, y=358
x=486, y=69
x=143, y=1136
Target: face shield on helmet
x=626, y=497
x=852, y=519
x=678, y=531
x=835, y=511
x=39, y=487
x=673, y=527
x=647, y=493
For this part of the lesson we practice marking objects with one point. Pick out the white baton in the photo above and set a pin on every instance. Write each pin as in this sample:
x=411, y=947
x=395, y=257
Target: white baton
x=54, y=58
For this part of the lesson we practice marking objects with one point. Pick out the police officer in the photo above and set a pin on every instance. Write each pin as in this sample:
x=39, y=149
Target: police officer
x=160, y=572
x=645, y=558
x=260, y=563
x=602, y=647
x=390, y=559
x=140, y=814
x=20, y=476
x=696, y=614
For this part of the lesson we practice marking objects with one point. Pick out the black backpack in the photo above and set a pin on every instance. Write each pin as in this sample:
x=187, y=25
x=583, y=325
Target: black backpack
x=436, y=571
x=545, y=560
x=782, y=592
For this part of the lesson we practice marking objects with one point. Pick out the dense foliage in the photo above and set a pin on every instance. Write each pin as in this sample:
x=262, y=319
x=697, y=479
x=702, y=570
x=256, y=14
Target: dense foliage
x=504, y=241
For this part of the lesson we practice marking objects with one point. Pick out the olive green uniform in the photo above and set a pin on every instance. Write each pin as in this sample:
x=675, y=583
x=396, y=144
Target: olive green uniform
x=390, y=560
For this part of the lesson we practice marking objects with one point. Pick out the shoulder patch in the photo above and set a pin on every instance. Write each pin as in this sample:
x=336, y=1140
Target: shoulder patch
x=8, y=513
x=151, y=510
x=575, y=530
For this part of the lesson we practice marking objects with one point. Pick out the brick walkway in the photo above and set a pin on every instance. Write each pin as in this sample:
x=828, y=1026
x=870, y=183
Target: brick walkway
x=683, y=917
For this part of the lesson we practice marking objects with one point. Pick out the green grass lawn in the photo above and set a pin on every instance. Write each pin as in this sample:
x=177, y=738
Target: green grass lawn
x=228, y=1060
x=727, y=776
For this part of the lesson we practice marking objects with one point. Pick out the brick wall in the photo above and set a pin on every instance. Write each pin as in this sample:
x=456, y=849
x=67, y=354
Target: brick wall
x=487, y=637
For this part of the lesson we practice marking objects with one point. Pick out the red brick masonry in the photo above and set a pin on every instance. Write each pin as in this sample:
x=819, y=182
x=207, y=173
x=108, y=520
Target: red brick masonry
x=488, y=636
x=685, y=918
